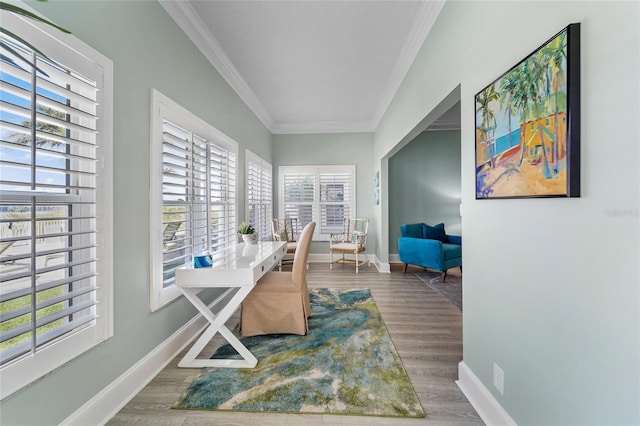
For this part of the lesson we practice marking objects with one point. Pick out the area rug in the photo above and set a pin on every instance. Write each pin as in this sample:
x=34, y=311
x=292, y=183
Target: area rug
x=346, y=364
x=450, y=290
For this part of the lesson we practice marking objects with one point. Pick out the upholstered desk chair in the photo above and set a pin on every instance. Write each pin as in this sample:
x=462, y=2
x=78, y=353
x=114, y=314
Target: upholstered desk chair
x=286, y=230
x=352, y=241
x=279, y=303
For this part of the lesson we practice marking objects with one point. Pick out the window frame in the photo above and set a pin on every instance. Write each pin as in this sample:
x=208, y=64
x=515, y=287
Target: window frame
x=164, y=108
x=68, y=50
x=263, y=229
x=317, y=171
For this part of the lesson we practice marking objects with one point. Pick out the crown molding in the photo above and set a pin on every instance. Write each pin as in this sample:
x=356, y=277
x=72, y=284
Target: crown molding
x=444, y=124
x=323, y=127
x=422, y=24
x=190, y=23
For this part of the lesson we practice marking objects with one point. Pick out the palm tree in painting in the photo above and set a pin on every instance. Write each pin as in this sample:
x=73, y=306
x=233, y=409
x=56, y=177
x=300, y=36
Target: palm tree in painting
x=521, y=101
x=556, y=53
x=509, y=98
x=534, y=70
x=487, y=125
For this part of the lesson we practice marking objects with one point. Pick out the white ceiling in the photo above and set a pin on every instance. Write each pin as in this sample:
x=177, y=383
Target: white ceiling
x=310, y=66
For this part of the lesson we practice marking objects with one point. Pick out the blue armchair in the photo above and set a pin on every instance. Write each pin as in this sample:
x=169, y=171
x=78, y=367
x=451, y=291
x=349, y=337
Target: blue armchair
x=429, y=247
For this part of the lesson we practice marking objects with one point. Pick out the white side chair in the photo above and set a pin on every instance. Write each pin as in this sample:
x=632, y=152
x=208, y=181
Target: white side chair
x=352, y=241
x=286, y=230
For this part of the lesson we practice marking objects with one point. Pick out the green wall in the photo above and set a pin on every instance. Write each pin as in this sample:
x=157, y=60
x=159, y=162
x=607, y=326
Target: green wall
x=331, y=149
x=424, y=184
x=551, y=286
x=148, y=51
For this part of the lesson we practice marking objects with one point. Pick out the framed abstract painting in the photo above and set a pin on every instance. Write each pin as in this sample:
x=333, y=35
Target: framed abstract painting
x=527, y=136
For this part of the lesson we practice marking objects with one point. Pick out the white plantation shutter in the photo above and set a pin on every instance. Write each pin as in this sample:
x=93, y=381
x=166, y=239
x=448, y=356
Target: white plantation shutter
x=259, y=194
x=222, y=218
x=324, y=194
x=48, y=203
x=194, y=197
x=335, y=200
x=54, y=204
x=299, y=195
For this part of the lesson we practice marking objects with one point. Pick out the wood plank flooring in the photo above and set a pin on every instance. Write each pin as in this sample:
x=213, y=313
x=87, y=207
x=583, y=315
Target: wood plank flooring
x=425, y=328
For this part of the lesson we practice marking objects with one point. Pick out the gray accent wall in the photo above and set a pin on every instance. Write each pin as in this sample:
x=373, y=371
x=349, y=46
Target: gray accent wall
x=551, y=286
x=148, y=51
x=424, y=184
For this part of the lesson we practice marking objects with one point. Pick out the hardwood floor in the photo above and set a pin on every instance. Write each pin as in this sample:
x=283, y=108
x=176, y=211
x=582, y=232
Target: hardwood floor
x=426, y=330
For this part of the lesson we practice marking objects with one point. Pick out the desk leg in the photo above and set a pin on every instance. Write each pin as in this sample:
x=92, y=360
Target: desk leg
x=217, y=325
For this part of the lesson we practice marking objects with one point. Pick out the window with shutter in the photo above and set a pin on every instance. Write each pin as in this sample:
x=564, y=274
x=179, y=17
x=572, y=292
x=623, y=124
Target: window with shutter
x=193, y=197
x=324, y=194
x=55, y=204
x=259, y=199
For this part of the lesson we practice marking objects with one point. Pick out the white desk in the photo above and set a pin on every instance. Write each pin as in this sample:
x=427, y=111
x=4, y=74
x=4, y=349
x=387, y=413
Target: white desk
x=237, y=268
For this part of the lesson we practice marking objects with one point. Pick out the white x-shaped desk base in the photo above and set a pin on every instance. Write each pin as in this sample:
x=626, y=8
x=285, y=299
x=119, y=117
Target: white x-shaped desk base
x=217, y=325
x=237, y=268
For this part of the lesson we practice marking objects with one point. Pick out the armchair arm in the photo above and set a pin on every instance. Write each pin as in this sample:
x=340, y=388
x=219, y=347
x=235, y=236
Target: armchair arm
x=359, y=237
x=421, y=252
x=454, y=239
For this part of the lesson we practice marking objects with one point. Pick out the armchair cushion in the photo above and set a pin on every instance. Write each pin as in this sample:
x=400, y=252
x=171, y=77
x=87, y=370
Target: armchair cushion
x=454, y=239
x=435, y=232
x=413, y=230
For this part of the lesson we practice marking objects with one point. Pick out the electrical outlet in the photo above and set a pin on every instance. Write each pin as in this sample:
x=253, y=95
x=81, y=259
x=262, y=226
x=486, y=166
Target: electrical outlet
x=498, y=378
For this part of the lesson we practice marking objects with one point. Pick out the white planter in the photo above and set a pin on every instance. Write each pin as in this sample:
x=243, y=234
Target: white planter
x=250, y=238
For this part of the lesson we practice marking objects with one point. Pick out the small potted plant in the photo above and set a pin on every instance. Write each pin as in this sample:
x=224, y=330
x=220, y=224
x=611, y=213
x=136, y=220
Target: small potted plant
x=249, y=235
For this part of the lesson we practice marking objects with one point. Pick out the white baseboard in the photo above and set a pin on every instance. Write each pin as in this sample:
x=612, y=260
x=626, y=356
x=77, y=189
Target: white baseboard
x=384, y=268
x=324, y=258
x=489, y=409
x=106, y=404
x=394, y=258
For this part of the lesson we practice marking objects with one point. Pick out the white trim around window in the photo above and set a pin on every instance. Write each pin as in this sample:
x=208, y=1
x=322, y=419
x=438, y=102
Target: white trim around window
x=57, y=222
x=193, y=193
x=259, y=198
x=325, y=194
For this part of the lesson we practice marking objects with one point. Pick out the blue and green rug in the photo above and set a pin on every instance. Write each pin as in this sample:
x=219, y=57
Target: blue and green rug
x=346, y=364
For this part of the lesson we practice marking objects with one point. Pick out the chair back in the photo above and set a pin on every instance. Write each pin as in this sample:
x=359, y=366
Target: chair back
x=299, y=269
x=355, y=230
x=285, y=229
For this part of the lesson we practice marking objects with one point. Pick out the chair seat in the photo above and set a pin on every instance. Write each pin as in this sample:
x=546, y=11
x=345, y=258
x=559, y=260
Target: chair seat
x=292, y=246
x=346, y=247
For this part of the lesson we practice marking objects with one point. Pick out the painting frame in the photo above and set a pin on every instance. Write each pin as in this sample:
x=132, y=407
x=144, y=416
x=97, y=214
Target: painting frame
x=541, y=157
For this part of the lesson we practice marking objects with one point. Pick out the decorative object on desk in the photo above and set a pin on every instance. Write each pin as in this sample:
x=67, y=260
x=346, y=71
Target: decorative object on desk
x=202, y=261
x=451, y=290
x=346, y=364
x=249, y=235
x=528, y=125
